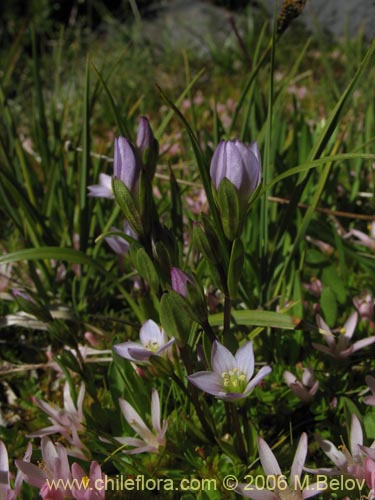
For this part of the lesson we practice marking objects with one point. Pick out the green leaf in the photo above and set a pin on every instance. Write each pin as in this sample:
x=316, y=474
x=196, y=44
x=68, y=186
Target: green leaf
x=128, y=205
x=56, y=253
x=258, y=318
x=332, y=279
x=229, y=205
x=369, y=424
x=174, y=320
x=328, y=304
x=236, y=262
x=146, y=269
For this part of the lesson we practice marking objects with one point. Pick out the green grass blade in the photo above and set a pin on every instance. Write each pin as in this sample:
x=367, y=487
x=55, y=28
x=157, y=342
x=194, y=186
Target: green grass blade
x=56, y=253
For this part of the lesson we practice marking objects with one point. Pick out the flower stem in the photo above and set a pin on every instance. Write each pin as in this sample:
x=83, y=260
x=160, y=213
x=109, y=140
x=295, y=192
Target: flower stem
x=237, y=428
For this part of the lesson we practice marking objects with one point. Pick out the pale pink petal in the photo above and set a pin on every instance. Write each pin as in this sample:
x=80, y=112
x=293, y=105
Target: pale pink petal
x=150, y=332
x=360, y=344
x=135, y=421
x=356, y=437
x=4, y=471
x=350, y=325
x=222, y=360
x=32, y=474
x=299, y=459
x=314, y=388
x=301, y=393
x=263, y=372
x=166, y=346
x=322, y=348
x=129, y=441
x=209, y=382
x=289, y=377
x=336, y=456
x=308, y=377
x=325, y=330
x=314, y=489
x=268, y=459
x=255, y=494
x=245, y=359
x=155, y=410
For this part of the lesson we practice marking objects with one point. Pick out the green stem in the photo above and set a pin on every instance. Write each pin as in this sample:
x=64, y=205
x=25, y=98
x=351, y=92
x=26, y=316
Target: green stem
x=192, y=394
x=237, y=428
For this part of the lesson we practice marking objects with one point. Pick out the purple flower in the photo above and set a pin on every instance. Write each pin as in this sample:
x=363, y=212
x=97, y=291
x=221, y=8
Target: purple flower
x=365, y=306
x=179, y=281
x=6, y=493
x=239, y=163
x=306, y=389
x=55, y=468
x=340, y=347
x=103, y=189
x=67, y=421
x=93, y=485
x=272, y=469
x=230, y=378
x=127, y=164
x=151, y=440
x=347, y=462
x=119, y=244
x=154, y=342
x=145, y=138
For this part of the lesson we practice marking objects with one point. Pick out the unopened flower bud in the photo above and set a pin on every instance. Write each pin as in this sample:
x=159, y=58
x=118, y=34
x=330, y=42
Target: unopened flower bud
x=127, y=164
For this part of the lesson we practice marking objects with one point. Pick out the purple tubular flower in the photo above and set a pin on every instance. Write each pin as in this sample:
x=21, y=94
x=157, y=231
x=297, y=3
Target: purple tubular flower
x=145, y=137
x=127, y=164
x=230, y=378
x=179, y=281
x=238, y=162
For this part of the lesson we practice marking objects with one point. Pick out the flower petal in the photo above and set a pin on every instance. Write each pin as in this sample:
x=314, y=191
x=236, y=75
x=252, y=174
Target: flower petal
x=263, y=372
x=360, y=344
x=135, y=421
x=336, y=456
x=245, y=359
x=356, y=437
x=325, y=330
x=254, y=493
x=123, y=350
x=268, y=459
x=155, y=410
x=299, y=460
x=222, y=360
x=4, y=471
x=150, y=333
x=209, y=382
x=350, y=325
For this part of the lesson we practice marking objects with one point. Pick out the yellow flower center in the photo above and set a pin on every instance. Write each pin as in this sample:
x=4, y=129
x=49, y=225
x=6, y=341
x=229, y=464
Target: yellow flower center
x=234, y=380
x=152, y=345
